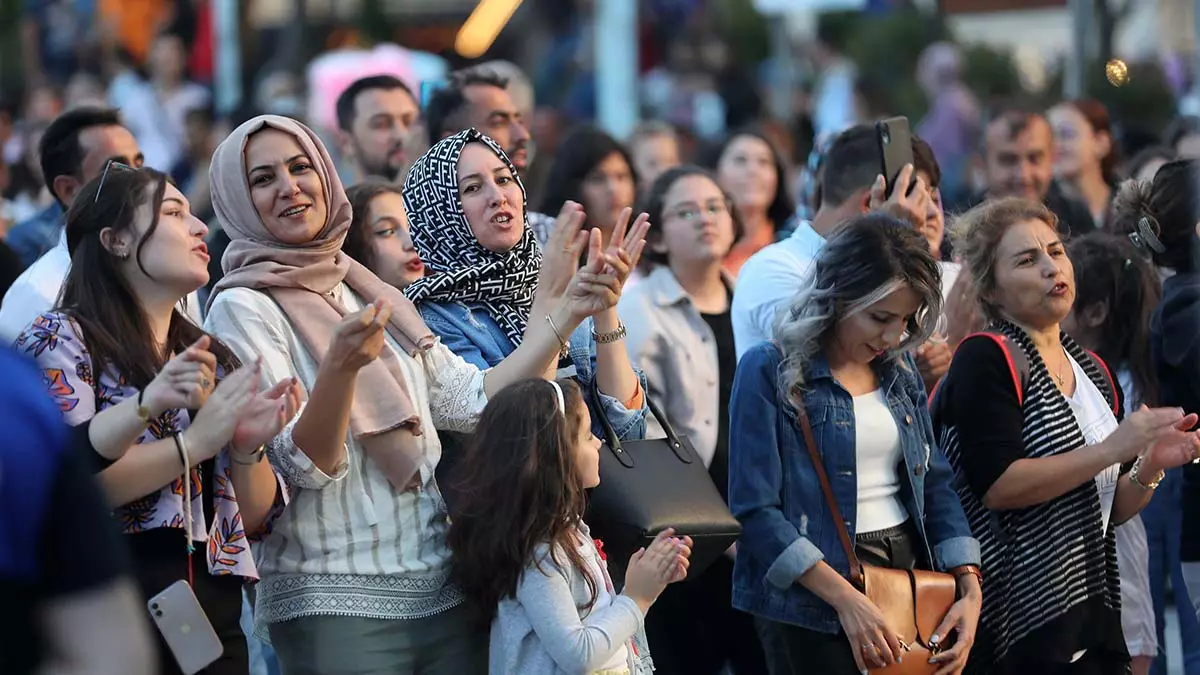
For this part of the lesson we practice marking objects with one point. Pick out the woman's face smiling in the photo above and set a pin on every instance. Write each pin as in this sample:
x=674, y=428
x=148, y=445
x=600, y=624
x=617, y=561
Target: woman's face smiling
x=284, y=185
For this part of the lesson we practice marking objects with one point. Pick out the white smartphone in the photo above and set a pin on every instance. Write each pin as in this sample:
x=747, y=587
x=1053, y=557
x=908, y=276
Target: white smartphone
x=185, y=628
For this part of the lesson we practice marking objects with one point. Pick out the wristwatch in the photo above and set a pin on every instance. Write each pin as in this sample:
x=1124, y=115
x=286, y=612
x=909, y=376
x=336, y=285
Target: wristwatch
x=963, y=570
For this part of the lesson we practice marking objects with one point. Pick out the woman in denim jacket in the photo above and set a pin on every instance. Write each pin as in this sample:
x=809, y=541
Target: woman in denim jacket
x=466, y=209
x=841, y=351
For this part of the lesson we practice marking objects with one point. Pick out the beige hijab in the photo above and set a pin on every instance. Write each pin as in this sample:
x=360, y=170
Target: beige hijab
x=300, y=277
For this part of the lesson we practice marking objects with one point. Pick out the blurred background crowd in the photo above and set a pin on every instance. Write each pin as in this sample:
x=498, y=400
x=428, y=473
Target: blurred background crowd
x=653, y=84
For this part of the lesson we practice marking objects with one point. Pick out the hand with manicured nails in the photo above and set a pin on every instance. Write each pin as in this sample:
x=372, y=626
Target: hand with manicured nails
x=1144, y=427
x=873, y=642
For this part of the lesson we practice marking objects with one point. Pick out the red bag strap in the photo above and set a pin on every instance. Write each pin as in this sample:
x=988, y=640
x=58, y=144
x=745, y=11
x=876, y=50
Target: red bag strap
x=1112, y=383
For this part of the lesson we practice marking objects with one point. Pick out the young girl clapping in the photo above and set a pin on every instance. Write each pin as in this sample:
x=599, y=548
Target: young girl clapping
x=523, y=554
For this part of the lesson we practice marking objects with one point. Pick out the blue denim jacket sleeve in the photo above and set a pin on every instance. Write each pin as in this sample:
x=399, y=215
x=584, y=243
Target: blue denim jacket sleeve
x=945, y=522
x=756, y=472
x=453, y=336
x=629, y=425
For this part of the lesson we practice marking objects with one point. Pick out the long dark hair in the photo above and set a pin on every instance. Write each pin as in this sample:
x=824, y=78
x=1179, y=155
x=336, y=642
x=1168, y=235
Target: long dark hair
x=518, y=492
x=1169, y=205
x=356, y=245
x=113, y=324
x=782, y=206
x=1110, y=270
x=578, y=154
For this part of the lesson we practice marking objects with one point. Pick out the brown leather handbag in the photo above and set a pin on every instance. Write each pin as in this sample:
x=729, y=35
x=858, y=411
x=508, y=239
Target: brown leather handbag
x=914, y=602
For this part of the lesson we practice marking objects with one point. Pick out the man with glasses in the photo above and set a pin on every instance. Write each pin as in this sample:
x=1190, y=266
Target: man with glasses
x=77, y=147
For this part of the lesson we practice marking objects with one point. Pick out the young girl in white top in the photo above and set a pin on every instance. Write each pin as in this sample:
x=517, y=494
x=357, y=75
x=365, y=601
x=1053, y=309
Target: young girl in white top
x=523, y=554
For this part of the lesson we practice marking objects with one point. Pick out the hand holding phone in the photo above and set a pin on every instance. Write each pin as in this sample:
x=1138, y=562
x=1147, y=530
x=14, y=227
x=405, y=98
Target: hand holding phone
x=895, y=150
x=910, y=201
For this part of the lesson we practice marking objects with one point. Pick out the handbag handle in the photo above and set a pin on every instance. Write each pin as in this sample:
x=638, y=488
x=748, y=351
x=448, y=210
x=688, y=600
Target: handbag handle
x=856, y=573
x=614, y=443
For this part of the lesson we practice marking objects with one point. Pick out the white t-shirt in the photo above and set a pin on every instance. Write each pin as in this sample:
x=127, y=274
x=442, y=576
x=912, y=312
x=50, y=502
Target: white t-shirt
x=1097, y=422
x=877, y=457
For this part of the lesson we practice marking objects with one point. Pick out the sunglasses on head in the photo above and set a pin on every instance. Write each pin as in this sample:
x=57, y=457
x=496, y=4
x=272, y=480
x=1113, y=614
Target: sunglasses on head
x=110, y=165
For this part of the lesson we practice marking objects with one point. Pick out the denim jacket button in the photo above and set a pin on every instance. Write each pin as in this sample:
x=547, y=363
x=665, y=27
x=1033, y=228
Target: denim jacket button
x=908, y=419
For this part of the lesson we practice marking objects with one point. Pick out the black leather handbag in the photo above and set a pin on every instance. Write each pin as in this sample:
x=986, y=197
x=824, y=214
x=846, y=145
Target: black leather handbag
x=649, y=485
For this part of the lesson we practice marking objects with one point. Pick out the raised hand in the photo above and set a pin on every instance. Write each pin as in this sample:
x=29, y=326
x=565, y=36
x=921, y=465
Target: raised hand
x=909, y=200
x=359, y=338
x=185, y=381
x=265, y=415
x=560, y=256
x=627, y=244
x=594, y=288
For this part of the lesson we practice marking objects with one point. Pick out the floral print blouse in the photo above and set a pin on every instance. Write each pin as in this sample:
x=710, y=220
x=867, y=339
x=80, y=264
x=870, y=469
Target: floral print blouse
x=53, y=341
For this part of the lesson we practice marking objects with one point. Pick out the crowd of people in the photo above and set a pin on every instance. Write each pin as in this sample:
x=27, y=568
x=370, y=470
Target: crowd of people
x=361, y=419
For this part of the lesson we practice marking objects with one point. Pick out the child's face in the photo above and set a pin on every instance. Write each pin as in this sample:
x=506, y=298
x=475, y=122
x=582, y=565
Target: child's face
x=587, y=450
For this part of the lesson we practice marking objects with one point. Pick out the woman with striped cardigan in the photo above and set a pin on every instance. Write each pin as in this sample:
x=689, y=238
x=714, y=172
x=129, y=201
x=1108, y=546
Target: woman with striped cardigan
x=1046, y=462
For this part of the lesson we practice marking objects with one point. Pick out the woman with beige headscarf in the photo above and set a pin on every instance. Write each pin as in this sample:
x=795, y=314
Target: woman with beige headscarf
x=355, y=571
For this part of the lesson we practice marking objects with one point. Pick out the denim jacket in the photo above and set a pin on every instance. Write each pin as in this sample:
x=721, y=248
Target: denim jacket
x=774, y=492
x=472, y=333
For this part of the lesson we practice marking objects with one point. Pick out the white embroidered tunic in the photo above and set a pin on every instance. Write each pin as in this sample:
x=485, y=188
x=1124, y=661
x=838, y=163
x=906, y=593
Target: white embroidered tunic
x=349, y=544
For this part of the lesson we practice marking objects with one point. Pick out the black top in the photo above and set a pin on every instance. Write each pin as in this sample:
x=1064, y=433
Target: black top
x=1074, y=217
x=160, y=558
x=722, y=328
x=1051, y=584
x=1175, y=352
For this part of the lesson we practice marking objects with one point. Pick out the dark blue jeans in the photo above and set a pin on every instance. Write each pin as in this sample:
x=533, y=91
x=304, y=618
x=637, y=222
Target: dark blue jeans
x=1162, y=518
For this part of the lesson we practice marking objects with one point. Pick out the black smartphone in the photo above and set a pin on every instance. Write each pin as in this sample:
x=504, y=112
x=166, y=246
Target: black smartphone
x=895, y=149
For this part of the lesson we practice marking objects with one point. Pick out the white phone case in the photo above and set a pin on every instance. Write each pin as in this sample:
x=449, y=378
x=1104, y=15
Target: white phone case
x=185, y=628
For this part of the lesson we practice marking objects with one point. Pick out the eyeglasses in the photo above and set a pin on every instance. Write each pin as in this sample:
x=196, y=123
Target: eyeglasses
x=692, y=213
x=112, y=164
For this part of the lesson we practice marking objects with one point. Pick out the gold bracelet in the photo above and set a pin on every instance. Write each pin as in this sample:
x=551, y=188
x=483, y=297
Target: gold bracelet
x=1136, y=478
x=564, y=347
x=255, y=457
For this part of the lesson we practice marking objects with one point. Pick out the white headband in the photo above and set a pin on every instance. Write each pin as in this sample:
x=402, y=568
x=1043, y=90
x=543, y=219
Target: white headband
x=562, y=404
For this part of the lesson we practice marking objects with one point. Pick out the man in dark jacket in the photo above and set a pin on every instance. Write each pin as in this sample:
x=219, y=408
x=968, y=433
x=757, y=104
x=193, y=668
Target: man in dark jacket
x=1018, y=159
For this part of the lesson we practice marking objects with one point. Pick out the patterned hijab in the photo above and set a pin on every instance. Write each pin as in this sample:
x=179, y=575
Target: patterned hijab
x=300, y=279
x=461, y=269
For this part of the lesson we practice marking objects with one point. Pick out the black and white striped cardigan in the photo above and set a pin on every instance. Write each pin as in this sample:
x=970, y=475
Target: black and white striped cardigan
x=1061, y=559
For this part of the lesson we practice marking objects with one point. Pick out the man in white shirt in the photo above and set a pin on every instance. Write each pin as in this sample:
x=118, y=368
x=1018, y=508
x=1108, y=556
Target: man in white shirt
x=74, y=150
x=773, y=276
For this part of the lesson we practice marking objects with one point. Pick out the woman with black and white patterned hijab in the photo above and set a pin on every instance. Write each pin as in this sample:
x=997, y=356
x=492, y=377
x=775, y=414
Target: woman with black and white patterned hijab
x=488, y=281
